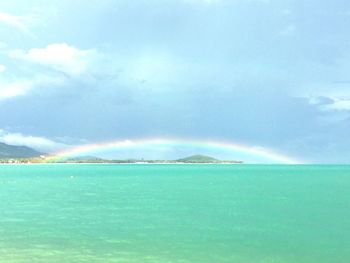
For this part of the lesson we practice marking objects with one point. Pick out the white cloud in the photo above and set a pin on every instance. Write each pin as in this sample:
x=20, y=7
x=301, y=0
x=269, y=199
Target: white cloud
x=286, y=12
x=58, y=57
x=14, y=89
x=339, y=104
x=210, y=1
x=19, y=22
x=218, y=1
x=204, y=2
x=288, y=30
x=35, y=142
x=154, y=67
x=152, y=70
x=61, y=57
x=2, y=68
x=3, y=45
x=22, y=87
x=331, y=103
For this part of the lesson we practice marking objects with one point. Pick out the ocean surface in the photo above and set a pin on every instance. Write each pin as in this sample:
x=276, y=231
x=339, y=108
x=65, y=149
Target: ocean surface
x=174, y=213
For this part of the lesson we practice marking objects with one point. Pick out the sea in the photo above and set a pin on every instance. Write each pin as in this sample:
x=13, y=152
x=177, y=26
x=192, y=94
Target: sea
x=141, y=213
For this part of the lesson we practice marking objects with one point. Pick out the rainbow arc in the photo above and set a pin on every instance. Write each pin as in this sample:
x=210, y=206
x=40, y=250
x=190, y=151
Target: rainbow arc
x=262, y=155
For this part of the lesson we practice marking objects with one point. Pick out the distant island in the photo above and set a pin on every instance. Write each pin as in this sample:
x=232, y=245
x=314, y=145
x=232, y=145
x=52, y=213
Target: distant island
x=194, y=159
x=23, y=154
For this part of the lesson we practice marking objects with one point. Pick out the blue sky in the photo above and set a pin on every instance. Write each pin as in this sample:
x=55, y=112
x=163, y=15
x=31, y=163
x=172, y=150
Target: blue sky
x=265, y=73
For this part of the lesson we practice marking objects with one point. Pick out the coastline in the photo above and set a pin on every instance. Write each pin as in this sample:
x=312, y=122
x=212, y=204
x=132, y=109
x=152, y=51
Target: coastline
x=107, y=163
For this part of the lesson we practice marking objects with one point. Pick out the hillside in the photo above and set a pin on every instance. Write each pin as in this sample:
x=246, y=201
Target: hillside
x=11, y=151
x=198, y=159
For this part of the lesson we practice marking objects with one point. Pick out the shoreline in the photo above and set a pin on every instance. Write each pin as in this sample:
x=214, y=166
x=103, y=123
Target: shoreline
x=120, y=163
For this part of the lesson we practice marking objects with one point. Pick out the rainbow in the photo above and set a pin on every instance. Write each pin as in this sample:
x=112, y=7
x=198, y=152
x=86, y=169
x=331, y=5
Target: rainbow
x=249, y=154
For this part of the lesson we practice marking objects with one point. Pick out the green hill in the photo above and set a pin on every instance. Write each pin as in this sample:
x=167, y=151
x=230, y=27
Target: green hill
x=11, y=151
x=198, y=159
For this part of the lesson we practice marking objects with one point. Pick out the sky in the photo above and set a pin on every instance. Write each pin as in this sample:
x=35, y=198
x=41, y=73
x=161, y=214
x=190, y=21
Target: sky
x=263, y=73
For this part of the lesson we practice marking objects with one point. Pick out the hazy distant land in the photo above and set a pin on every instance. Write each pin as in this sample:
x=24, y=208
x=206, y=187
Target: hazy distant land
x=194, y=159
x=23, y=154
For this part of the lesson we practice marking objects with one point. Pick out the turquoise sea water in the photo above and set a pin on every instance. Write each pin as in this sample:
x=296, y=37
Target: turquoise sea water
x=174, y=213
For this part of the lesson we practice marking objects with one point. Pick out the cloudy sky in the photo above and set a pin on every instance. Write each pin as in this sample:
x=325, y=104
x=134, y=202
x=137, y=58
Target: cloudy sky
x=267, y=73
